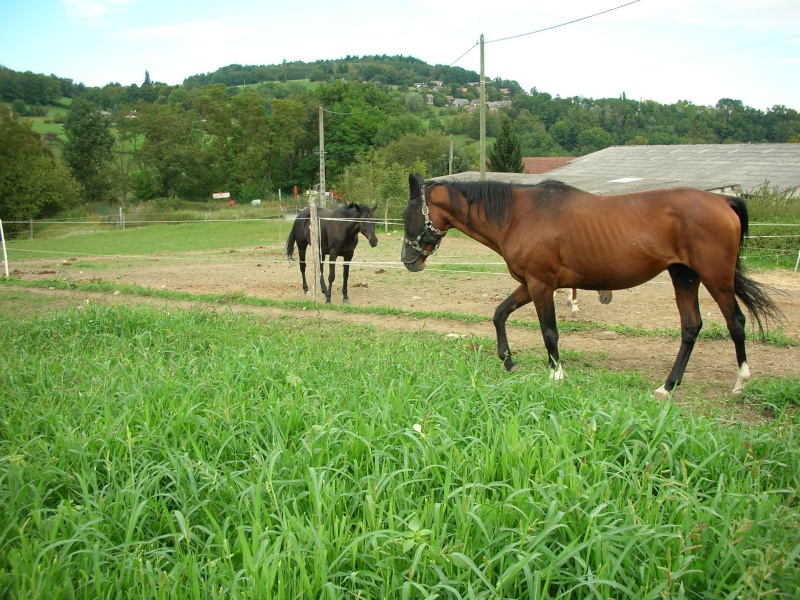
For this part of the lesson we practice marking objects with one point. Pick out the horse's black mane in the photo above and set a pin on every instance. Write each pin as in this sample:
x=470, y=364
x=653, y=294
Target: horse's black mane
x=496, y=197
x=350, y=207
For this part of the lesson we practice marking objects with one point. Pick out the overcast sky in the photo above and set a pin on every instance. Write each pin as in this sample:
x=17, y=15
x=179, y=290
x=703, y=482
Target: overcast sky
x=663, y=50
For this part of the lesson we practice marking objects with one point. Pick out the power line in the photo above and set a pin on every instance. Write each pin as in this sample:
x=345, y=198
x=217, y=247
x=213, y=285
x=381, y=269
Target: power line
x=511, y=37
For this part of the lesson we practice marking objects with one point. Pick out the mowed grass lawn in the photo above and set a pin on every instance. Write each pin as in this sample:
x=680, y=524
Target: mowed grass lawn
x=162, y=453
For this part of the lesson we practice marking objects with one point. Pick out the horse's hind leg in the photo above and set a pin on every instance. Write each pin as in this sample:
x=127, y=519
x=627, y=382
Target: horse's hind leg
x=573, y=302
x=301, y=253
x=520, y=297
x=735, y=320
x=686, y=283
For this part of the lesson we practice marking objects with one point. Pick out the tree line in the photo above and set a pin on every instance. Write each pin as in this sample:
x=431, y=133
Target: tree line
x=254, y=130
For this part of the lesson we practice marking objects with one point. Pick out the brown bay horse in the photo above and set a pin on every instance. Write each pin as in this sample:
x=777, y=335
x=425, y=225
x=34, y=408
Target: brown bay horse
x=554, y=236
x=338, y=233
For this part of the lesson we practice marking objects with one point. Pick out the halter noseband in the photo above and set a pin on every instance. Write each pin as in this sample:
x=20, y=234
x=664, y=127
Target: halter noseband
x=428, y=235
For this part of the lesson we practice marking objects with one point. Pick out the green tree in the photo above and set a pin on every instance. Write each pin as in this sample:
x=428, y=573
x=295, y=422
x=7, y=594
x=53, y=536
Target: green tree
x=411, y=150
x=594, y=139
x=171, y=160
x=292, y=143
x=369, y=180
x=506, y=153
x=395, y=128
x=87, y=151
x=33, y=184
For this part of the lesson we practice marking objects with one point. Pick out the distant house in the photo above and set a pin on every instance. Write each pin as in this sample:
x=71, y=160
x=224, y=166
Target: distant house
x=460, y=102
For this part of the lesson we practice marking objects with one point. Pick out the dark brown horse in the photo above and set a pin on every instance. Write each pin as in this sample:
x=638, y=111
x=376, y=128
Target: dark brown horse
x=338, y=233
x=555, y=236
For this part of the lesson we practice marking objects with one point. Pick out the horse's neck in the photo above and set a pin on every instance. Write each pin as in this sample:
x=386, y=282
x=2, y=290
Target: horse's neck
x=476, y=225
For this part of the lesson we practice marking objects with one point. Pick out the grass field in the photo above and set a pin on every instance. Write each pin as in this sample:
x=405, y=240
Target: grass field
x=155, y=453
x=172, y=453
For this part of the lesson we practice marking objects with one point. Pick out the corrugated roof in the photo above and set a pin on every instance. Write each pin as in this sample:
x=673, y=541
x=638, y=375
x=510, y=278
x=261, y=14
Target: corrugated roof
x=725, y=167
x=543, y=164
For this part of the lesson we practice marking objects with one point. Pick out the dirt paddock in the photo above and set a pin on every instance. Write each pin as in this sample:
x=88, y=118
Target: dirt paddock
x=378, y=279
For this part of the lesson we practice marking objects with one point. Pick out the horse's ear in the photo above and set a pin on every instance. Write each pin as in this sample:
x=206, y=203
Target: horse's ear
x=375, y=207
x=415, y=182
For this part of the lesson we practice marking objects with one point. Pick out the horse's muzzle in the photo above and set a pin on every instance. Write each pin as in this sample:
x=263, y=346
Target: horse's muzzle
x=415, y=266
x=413, y=261
x=373, y=242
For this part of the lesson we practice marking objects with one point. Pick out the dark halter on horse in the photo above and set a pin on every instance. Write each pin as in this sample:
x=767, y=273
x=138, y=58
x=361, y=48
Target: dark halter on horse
x=428, y=235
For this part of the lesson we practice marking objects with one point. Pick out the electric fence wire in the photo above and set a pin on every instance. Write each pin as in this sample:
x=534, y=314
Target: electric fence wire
x=680, y=60
x=511, y=37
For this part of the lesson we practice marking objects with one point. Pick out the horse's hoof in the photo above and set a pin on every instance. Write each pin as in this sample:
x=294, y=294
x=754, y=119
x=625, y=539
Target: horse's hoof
x=346, y=301
x=661, y=393
x=557, y=374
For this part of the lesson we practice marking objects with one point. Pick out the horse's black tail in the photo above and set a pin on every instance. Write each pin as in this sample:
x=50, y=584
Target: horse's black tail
x=752, y=294
x=290, y=244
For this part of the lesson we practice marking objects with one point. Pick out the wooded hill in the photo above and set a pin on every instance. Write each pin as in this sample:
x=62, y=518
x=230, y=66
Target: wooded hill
x=252, y=130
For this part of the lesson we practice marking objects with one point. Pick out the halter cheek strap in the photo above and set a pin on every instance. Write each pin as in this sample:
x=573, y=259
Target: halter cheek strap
x=428, y=235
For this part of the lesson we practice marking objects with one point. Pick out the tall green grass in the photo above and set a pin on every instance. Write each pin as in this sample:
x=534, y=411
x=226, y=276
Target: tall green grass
x=149, y=453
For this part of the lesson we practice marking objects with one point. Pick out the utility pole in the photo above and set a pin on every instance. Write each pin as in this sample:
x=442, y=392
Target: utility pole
x=312, y=206
x=483, y=118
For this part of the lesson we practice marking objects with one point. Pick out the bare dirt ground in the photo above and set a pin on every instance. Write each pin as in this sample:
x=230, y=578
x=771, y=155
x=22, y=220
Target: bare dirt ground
x=378, y=279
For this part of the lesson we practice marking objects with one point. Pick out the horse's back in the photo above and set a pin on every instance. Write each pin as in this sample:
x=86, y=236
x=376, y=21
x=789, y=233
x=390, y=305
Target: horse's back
x=624, y=240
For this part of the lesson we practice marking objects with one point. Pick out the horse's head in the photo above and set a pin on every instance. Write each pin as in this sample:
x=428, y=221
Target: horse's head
x=366, y=223
x=421, y=237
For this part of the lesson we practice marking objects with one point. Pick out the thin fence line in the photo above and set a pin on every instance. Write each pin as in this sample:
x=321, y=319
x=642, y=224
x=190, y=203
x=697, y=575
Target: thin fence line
x=116, y=223
x=376, y=220
x=247, y=256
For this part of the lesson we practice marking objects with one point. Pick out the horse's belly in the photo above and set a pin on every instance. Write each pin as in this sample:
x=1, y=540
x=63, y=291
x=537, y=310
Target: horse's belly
x=612, y=275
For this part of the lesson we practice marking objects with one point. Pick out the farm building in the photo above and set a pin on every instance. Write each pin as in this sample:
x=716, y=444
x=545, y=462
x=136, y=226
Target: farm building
x=727, y=168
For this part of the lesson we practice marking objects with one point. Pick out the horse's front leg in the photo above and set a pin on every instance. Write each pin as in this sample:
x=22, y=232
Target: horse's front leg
x=345, y=275
x=326, y=289
x=542, y=296
x=331, y=276
x=686, y=283
x=520, y=297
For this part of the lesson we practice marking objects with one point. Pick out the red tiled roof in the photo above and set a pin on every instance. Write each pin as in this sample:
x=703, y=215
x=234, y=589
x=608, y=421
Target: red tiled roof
x=543, y=164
